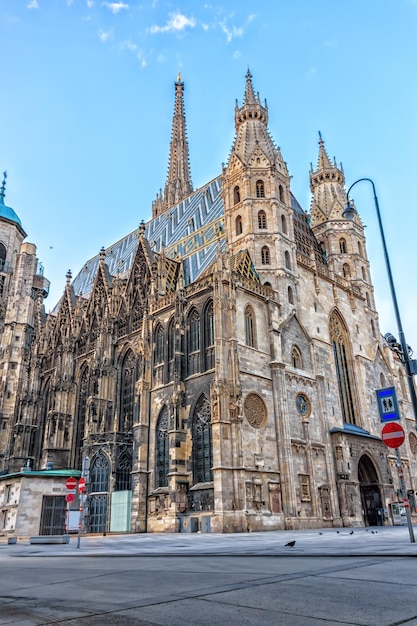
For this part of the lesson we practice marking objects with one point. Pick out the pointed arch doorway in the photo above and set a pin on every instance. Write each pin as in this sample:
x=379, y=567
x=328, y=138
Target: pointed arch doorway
x=370, y=492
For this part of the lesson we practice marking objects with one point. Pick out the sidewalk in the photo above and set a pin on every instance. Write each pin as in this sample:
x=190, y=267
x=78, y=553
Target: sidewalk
x=372, y=541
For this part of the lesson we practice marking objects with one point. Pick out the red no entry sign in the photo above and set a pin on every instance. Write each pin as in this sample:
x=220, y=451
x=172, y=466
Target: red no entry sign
x=69, y=497
x=81, y=485
x=393, y=435
x=71, y=483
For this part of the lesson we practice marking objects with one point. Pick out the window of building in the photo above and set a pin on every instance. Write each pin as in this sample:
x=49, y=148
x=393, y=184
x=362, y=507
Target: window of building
x=342, y=246
x=171, y=348
x=344, y=369
x=193, y=342
x=373, y=331
x=100, y=473
x=202, y=442
x=262, y=219
x=260, y=189
x=159, y=355
x=284, y=225
x=239, y=227
x=236, y=195
x=3, y=253
x=53, y=515
x=162, y=449
x=83, y=394
x=287, y=260
x=290, y=295
x=265, y=257
x=127, y=392
x=363, y=273
x=368, y=302
x=346, y=270
x=382, y=379
x=360, y=248
x=304, y=487
x=123, y=473
x=209, y=336
x=250, y=334
x=296, y=359
x=281, y=193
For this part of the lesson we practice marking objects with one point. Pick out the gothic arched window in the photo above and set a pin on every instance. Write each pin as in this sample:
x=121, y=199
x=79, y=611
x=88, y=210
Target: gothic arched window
x=81, y=414
x=363, y=273
x=260, y=189
x=159, y=360
x=171, y=348
x=127, y=392
x=123, y=473
x=296, y=359
x=250, y=330
x=262, y=219
x=281, y=193
x=346, y=270
x=3, y=253
x=287, y=260
x=290, y=295
x=236, y=195
x=265, y=257
x=209, y=336
x=202, y=442
x=162, y=449
x=343, y=361
x=100, y=473
x=239, y=228
x=284, y=225
x=360, y=248
x=193, y=342
x=342, y=245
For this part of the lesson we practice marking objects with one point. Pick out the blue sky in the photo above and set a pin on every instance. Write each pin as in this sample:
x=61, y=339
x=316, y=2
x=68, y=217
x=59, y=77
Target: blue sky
x=87, y=92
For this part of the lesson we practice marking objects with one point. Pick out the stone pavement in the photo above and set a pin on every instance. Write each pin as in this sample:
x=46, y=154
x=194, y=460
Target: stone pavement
x=328, y=578
x=373, y=541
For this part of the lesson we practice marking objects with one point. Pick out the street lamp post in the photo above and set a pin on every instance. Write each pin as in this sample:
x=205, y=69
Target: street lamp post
x=349, y=213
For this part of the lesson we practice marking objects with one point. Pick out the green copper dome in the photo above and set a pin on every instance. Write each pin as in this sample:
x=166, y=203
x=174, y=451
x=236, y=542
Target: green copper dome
x=7, y=212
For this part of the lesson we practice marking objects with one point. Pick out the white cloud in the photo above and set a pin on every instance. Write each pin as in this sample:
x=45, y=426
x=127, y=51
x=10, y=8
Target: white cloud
x=104, y=36
x=237, y=54
x=90, y=3
x=129, y=45
x=33, y=4
x=115, y=7
x=177, y=22
x=142, y=59
x=69, y=2
x=232, y=32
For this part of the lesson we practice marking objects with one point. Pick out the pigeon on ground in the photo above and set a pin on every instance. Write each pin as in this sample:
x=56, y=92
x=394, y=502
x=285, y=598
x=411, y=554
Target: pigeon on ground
x=290, y=544
x=351, y=532
x=320, y=533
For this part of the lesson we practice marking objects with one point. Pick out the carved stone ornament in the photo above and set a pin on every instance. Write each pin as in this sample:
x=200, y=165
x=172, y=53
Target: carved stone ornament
x=303, y=404
x=255, y=410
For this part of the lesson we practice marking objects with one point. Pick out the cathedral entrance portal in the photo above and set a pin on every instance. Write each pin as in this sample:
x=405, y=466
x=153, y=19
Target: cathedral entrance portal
x=370, y=492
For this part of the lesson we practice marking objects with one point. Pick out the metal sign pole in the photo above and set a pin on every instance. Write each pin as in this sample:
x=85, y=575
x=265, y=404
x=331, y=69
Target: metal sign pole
x=404, y=496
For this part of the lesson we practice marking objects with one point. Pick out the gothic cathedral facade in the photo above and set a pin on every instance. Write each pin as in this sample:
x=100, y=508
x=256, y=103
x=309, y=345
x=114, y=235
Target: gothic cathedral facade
x=218, y=365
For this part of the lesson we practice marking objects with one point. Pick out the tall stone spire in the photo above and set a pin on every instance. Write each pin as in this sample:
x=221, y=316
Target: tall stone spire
x=178, y=184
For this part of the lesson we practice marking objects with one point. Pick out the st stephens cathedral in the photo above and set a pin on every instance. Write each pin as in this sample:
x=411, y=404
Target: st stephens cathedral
x=217, y=366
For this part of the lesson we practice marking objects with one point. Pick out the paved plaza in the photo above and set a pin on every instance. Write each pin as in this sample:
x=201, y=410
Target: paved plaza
x=328, y=577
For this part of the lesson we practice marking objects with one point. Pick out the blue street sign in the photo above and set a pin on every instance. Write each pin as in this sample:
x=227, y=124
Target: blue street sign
x=387, y=404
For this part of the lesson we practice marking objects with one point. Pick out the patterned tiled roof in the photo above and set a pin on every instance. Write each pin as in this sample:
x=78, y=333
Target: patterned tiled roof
x=190, y=231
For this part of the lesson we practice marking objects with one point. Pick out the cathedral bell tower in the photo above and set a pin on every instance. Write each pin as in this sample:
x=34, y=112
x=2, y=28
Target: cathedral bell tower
x=256, y=195
x=343, y=241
